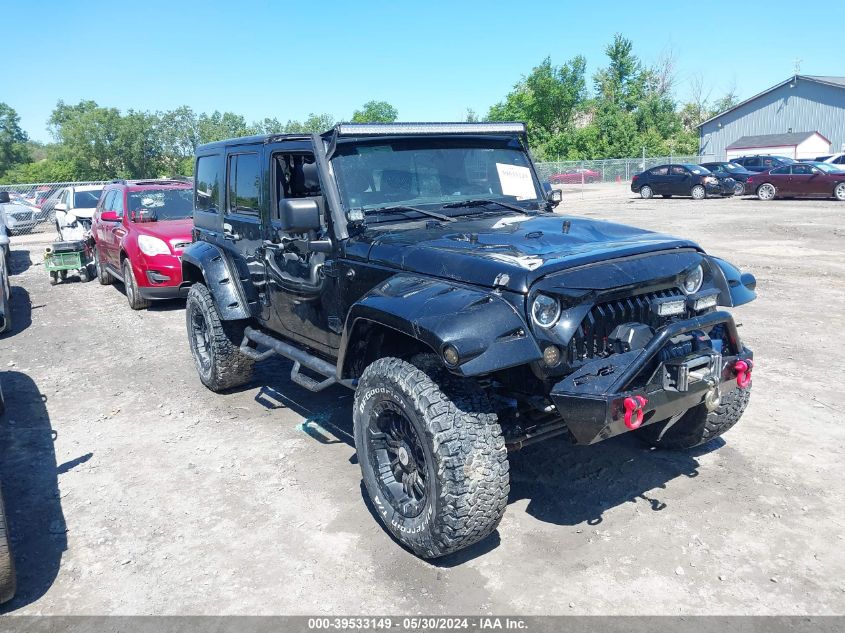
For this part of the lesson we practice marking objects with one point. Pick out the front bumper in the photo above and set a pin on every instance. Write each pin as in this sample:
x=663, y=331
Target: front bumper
x=592, y=400
x=160, y=277
x=719, y=189
x=164, y=292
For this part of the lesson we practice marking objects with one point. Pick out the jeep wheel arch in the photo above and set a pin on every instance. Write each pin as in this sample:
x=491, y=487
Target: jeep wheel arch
x=485, y=330
x=206, y=263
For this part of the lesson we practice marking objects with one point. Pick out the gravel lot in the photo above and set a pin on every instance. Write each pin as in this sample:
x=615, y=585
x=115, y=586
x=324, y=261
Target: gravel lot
x=133, y=490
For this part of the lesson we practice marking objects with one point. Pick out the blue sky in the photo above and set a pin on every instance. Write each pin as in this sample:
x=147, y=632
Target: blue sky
x=431, y=60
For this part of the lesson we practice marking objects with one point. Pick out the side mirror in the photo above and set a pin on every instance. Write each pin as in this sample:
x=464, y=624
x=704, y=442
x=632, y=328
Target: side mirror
x=109, y=216
x=299, y=216
x=4, y=197
x=554, y=197
x=61, y=206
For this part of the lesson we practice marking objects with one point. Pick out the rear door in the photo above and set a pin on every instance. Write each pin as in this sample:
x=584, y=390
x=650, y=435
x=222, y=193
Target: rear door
x=659, y=179
x=245, y=210
x=781, y=178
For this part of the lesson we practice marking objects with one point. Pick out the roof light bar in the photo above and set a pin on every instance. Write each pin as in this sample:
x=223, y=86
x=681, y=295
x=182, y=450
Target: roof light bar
x=398, y=129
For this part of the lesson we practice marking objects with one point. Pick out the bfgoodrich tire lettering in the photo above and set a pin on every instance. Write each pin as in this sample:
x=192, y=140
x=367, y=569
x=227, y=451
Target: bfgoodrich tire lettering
x=215, y=343
x=466, y=466
x=698, y=425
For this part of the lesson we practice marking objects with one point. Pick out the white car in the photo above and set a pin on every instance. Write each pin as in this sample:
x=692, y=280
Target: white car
x=837, y=160
x=74, y=210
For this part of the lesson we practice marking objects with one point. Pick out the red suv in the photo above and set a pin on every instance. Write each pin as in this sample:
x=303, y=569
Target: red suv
x=139, y=230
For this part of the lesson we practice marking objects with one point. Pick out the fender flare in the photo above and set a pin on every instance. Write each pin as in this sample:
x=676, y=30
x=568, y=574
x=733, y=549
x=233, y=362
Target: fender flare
x=211, y=263
x=487, y=331
x=737, y=288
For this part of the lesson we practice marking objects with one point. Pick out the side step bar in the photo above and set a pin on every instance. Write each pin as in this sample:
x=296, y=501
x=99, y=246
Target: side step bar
x=299, y=357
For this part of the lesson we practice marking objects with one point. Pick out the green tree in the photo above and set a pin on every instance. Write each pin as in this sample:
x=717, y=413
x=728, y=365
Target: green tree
x=375, y=112
x=218, y=126
x=178, y=130
x=547, y=99
x=13, y=149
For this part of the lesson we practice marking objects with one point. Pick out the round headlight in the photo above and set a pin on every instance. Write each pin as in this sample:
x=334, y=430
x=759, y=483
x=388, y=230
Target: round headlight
x=693, y=280
x=545, y=310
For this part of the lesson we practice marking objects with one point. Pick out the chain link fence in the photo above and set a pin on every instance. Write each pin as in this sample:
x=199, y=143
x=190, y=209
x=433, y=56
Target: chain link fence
x=32, y=207
x=618, y=170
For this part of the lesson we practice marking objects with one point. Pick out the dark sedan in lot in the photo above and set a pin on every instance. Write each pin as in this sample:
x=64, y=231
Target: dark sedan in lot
x=799, y=180
x=725, y=169
x=681, y=180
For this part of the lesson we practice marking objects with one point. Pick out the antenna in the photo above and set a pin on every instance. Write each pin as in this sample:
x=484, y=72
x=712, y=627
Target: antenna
x=797, y=65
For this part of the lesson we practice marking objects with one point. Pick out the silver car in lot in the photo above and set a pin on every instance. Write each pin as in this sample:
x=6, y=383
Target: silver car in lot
x=18, y=217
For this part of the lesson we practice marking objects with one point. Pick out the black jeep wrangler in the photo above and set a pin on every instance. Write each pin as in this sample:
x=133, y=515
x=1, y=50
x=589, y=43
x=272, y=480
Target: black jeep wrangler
x=422, y=265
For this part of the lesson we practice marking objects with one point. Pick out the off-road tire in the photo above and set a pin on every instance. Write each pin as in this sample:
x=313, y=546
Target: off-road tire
x=226, y=367
x=130, y=284
x=646, y=192
x=467, y=481
x=8, y=581
x=104, y=276
x=698, y=425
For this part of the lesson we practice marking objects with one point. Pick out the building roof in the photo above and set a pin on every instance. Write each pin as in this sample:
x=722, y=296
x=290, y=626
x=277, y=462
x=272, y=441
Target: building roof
x=838, y=82
x=790, y=139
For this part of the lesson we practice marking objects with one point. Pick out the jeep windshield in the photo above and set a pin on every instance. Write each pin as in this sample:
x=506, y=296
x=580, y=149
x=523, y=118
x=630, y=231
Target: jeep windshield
x=435, y=174
x=161, y=204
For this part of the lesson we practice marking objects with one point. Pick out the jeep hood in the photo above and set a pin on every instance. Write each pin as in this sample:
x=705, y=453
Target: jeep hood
x=511, y=252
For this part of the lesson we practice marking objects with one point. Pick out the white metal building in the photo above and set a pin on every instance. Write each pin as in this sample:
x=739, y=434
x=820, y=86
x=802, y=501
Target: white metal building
x=794, y=145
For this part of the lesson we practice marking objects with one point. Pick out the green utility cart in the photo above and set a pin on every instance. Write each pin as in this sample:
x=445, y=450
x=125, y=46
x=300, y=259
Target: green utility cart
x=63, y=257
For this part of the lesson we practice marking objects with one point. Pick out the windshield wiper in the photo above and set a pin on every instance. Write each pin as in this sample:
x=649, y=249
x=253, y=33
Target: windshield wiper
x=402, y=208
x=484, y=202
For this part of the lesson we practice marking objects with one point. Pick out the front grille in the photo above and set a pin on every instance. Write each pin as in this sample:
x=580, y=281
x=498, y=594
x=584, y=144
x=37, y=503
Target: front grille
x=591, y=338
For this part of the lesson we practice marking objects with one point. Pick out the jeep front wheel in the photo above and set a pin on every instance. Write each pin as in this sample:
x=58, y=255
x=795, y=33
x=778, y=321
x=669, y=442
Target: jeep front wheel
x=215, y=343
x=432, y=456
x=698, y=425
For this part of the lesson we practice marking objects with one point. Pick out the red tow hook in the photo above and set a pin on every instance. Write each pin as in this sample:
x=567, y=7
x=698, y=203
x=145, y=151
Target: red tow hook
x=743, y=372
x=634, y=411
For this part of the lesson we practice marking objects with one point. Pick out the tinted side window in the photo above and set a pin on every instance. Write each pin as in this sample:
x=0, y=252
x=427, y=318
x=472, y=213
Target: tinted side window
x=660, y=171
x=677, y=170
x=243, y=184
x=209, y=177
x=840, y=160
x=780, y=170
x=801, y=169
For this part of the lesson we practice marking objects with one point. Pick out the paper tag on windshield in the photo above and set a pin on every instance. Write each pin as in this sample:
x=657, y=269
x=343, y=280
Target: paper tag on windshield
x=516, y=181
